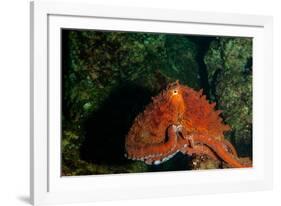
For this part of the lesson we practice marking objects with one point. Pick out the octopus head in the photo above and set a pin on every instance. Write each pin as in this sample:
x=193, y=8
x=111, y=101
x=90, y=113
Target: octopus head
x=175, y=95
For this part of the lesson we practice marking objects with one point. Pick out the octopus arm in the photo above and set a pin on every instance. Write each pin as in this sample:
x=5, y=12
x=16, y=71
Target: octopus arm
x=219, y=148
x=154, y=150
x=199, y=149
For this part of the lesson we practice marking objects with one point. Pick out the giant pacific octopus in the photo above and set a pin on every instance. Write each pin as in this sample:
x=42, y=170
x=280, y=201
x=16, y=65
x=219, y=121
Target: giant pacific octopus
x=180, y=119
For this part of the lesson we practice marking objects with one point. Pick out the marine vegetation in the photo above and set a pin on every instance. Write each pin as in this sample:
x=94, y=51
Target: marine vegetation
x=109, y=79
x=229, y=65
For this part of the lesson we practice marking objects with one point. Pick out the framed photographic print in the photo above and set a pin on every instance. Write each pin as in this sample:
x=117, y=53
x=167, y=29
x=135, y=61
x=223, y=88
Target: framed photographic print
x=131, y=103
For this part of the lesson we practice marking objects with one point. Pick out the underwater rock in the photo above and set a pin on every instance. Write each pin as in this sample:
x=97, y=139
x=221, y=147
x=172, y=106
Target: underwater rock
x=229, y=63
x=200, y=162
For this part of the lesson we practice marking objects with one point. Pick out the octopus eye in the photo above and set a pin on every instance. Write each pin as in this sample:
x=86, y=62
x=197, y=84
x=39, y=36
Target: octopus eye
x=175, y=92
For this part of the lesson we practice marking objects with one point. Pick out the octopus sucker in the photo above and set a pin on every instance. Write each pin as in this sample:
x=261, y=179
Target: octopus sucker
x=200, y=149
x=179, y=119
x=230, y=147
x=157, y=160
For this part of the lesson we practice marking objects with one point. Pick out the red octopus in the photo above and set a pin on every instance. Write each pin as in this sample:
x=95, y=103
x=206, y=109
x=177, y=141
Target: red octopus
x=179, y=119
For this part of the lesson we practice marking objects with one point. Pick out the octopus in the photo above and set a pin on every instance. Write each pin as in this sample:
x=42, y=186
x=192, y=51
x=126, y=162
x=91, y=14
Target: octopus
x=180, y=119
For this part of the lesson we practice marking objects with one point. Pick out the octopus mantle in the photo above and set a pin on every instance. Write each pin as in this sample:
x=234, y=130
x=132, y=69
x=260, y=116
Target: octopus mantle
x=179, y=119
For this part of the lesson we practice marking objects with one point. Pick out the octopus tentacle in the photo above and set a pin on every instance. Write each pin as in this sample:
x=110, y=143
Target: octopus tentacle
x=219, y=149
x=199, y=149
x=230, y=147
x=189, y=147
x=155, y=150
x=163, y=158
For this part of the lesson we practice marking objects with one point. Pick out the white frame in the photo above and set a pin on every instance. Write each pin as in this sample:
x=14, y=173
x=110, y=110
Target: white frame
x=47, y=18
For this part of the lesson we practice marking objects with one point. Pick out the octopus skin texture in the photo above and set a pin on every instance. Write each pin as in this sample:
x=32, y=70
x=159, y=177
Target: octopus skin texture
x=179, y=119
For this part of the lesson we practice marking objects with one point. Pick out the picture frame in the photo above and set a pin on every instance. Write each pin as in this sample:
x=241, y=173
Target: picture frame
x=48, y=186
